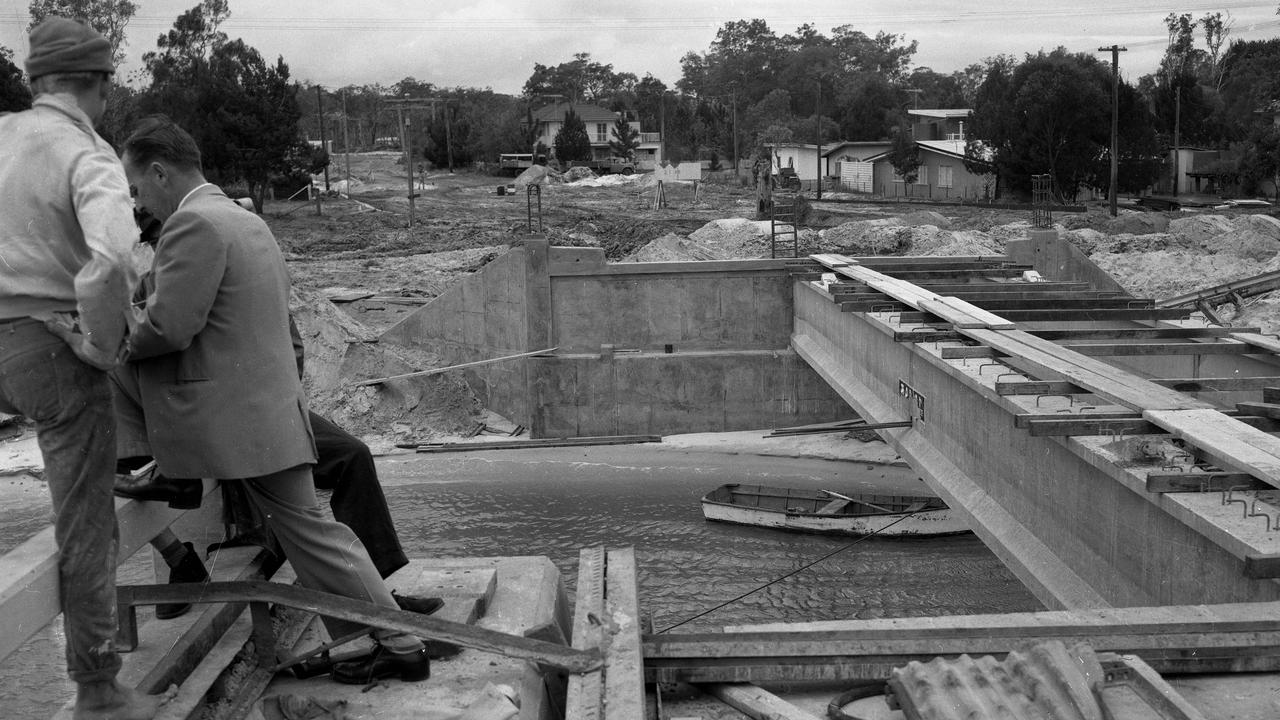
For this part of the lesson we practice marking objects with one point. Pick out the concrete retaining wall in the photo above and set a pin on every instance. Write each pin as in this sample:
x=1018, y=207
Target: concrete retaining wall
x=641, y=348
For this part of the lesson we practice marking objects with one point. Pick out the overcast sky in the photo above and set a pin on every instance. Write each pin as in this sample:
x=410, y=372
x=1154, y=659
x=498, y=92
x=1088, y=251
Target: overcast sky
x=495, y=43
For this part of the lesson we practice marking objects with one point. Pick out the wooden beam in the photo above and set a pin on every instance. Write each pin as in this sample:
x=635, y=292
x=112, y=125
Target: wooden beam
x=585, y=696
x=624, y=663
x=1271, y=394
x=754, y=702
x=1038, y=387
x=1202, y=482
x=1186, y=385
x=1148, y=314
x=968, y=351
x=1133, y=333
x=1182, y=348
x=1046, y=359
x=1265, y=409
x=925, y=334
x=1224, y=441
x=1106, y=423
x=1215, y=637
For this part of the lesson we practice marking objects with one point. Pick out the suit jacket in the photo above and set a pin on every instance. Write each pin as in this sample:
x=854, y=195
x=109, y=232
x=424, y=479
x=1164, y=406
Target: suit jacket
x=219, y=388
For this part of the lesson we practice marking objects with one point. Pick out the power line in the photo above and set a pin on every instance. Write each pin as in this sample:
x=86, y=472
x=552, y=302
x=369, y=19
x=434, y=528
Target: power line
x=667, y=22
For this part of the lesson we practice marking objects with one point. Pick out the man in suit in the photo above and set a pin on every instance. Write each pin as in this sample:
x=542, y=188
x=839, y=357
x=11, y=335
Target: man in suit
x=210, y=388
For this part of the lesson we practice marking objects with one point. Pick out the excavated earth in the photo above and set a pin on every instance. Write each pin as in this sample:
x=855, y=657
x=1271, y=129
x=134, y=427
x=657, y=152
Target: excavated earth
x=362, y=258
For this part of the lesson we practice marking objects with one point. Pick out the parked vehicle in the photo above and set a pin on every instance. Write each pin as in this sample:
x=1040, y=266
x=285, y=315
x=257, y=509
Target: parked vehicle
x=828, y=512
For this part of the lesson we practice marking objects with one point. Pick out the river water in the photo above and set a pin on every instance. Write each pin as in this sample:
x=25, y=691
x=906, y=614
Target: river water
x=554, y=502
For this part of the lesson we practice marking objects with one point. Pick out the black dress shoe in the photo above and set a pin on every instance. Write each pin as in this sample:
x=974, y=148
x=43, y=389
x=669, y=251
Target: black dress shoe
x=421, y=605
x=180, y=494
x=381, y=664
x=188, y=570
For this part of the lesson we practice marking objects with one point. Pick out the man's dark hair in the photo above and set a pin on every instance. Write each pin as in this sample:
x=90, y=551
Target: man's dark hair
x=159, y=138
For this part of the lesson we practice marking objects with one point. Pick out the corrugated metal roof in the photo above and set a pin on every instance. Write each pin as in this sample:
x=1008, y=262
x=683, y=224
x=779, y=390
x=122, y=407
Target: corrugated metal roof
x=1046, y=681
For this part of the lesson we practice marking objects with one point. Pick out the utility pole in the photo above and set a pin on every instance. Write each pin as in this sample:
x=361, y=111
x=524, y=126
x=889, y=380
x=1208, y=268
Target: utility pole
x=735, y=135
x=406, y=139
x=323, y=145
x=346, y=141
x=1177, y=140
x=1115, y=51
x=817, y=123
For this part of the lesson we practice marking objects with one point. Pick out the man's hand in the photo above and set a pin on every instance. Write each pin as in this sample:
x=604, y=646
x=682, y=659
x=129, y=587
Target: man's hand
x=64, y=325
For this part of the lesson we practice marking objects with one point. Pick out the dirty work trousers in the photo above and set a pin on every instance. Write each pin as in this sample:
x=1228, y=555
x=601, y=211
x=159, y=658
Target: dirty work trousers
x=70, y=403
x=345, y=466
x=325, y=554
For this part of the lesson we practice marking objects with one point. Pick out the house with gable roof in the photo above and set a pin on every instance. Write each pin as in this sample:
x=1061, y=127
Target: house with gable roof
x=599, y=122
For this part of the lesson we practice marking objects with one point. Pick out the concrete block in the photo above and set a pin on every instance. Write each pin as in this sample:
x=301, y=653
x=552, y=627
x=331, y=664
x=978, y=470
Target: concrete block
x=626, y=314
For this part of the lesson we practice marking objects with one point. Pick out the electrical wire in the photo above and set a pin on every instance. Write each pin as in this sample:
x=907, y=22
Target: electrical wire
x=798, y=570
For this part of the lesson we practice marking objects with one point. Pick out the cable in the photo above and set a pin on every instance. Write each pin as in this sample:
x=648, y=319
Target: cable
x=784, y=577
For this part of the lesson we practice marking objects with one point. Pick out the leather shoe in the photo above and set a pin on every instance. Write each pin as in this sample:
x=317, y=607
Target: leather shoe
x=180, y=494
x=190, y=569
x=381, y=664
x=421, y=605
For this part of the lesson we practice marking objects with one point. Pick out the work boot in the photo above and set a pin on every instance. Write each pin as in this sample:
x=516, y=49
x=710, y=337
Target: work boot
x=190, y=569
x=382, y=663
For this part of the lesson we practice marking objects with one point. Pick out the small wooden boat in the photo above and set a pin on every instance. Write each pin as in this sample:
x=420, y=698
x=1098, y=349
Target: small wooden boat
x=824, y=511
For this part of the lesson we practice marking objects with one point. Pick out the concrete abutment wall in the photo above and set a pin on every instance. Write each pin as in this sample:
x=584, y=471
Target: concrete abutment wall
x=641, y=348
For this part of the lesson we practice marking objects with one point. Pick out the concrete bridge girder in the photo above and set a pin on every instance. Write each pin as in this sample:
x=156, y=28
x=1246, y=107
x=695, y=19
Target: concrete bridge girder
x=1070, y=516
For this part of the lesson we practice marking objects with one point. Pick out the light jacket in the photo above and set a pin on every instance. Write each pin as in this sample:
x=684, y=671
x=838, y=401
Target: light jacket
x=66, y=221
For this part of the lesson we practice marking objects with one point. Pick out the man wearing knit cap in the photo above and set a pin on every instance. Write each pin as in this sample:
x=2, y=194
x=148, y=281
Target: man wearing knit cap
x=66, y=229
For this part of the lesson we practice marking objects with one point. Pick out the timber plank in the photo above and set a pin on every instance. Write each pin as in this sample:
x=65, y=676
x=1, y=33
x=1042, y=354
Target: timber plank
x=1202, y=482
x=1115, y=385
x=1225, y=441
x=1163, y=333
x=1265, y=409
x=1147, y=314
x=757, y=703
x=1038, y=387
x=1186, y=385
x=1262, y=342
x=623, y=662
x=585, y=696
x=1165, y=348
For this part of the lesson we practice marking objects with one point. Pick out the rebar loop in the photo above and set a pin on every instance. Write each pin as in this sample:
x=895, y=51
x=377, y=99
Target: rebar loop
x=1070, y=400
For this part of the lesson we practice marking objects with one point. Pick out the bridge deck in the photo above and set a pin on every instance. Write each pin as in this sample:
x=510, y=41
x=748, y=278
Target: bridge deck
x=1043, y=414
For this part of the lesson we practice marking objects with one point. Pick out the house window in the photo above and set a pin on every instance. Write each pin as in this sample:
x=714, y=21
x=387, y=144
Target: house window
x=922, y=175
x=602, y=132
x=944, y=176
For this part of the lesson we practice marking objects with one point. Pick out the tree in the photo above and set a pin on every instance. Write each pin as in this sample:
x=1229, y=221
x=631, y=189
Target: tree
x=627, y=139
x=904, y=155
x=109, y=17
x=1049, y=114
x=572, y=142
x=14, y=94
x=242, y=111
x=579, y=80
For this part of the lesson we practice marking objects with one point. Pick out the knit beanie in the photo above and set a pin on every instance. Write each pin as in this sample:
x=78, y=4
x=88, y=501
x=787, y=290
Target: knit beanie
x=62, y=45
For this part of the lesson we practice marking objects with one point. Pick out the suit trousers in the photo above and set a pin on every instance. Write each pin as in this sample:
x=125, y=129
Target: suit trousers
x=325, y=554
x=345, y=466
x=70, y=403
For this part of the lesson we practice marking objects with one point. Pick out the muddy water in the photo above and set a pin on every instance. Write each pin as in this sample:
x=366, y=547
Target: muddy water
x=555, y=502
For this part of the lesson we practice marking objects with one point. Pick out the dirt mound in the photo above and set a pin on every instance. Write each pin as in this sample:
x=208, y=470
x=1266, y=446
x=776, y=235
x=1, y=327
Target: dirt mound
x=341, y=352
x=1165, y=273
x=925, y=217
x=670, y=248
x=950, y=243
x=1136, y=223
x=1200, y=229
x=537, y=175
x=728, y=239
x=574, y=174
